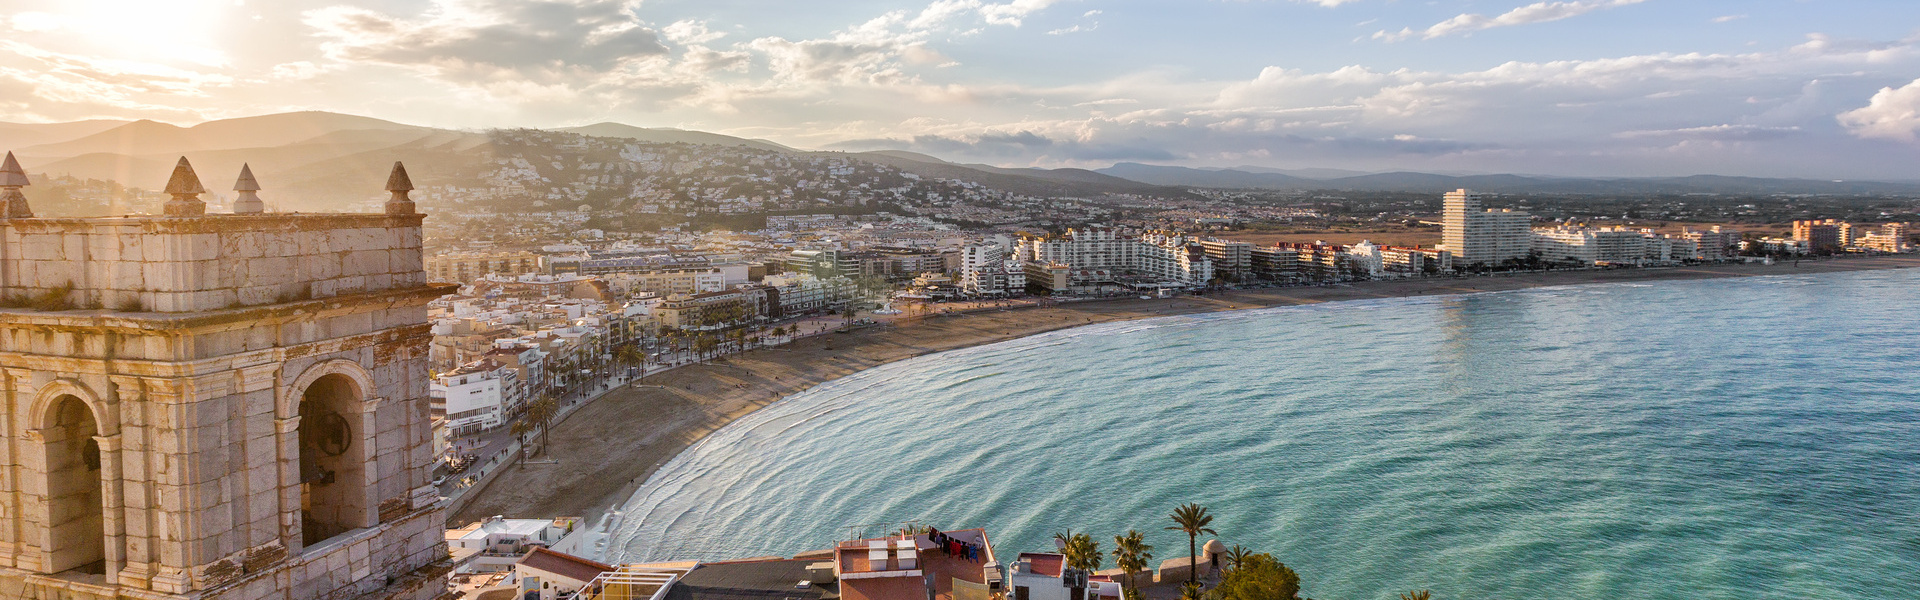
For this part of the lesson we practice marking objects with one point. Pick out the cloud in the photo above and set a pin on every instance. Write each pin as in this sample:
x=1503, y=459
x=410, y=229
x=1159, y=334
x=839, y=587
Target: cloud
x=1725, y=133
x=545, y=42
x=1728, y=18
x=1013, y=12
x=1538, y=12
x=1893, y=113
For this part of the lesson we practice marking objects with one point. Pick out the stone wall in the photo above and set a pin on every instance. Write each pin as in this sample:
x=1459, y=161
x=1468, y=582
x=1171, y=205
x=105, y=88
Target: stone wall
x=196, y=400
x=188, y=264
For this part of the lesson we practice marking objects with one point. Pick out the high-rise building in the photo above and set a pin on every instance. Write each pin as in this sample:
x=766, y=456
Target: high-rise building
x=1820, y=236
x=1230, y=258
x=217, y=406
x=1483, y=237
x=1717, y=243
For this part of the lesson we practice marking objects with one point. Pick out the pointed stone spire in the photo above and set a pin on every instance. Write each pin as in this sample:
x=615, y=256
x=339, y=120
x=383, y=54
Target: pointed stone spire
x=399, y=184
x=185, y=188
x=13, y=203
x=248, y=203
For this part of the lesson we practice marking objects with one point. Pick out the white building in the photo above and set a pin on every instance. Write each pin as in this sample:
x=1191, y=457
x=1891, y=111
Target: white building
x=555, y=574
x=1098, y=254
x=1588, y=245
x=988, y=271
x=1045, y=576
x=496, y=543
x=1713, y=244
x=476, y=396
x=1483, y=237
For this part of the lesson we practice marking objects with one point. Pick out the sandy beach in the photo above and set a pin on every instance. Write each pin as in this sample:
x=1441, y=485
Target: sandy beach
x=607, y=449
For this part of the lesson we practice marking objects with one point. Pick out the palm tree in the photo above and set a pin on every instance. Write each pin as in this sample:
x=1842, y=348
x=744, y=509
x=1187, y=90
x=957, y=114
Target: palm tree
x=632, y=355
x=1132, y=554
x=1238, y=556
x=1420, y=595
x=1082, y=552
x=1190, y=590
x=520, y=429
x=542, y=411
x=1193, y=519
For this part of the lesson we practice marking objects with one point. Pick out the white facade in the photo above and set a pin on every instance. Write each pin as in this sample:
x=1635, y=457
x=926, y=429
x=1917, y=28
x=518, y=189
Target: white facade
x=989, y=270
x=476, y=396
x=1099, y=254
x=1713, y=244
x=1488, y=237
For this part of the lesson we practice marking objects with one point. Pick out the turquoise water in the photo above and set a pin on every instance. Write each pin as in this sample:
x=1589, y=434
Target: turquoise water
x=1741, y=438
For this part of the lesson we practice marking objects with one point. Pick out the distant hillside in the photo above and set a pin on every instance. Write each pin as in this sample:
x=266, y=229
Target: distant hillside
x=152, y=137
x=671, y=136
x=16, y=136
x=1031, y=182
x=1429, y=183
x=1189, y=177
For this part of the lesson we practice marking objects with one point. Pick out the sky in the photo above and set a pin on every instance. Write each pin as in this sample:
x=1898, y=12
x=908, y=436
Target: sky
x=1800, y=88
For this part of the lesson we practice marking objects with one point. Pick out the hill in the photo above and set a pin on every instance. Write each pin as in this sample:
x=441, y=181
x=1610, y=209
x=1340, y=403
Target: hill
x=152, y=137
x=15, y=136
x=1029, y=182
x=1429, y=183
x=670, y=136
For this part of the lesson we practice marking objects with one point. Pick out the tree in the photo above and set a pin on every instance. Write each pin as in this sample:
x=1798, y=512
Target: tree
x=542, y=411
x=1192, y=519
x=520, y=429
x=632, y=355
x=1260, y=577
x=1420, y=595
x=1132, y=554
x=1082, y=552
x=1238, y=555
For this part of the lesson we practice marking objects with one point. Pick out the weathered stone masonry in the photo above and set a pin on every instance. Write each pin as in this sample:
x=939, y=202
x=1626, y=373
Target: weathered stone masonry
x=216, y=406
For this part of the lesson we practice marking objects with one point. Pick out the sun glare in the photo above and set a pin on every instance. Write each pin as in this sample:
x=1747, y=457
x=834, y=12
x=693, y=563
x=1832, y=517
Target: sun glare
x=176, y=30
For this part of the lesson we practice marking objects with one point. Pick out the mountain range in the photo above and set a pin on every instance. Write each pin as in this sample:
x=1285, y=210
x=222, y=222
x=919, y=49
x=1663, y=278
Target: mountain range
x=309, y=158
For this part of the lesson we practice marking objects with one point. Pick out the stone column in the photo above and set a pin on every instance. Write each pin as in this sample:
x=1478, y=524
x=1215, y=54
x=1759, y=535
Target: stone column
x=113, y=506
x=11, y=540
x=136, y=476
x=288, y=435
x=370, y=461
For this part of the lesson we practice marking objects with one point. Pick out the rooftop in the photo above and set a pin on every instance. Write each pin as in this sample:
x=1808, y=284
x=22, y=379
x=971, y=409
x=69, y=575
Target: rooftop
x=562, y=564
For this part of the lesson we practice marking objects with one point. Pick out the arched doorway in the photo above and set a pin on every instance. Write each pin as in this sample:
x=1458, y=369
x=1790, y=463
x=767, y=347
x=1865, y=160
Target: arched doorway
x=76, y=520
x=332, y=467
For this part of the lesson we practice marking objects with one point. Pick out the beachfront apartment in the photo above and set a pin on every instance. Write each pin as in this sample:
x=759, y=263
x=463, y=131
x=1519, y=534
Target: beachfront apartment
x=1099, y=255
x=1482, y=237
x=989, y=271
x=1716, y=243
x=1231, y=259
x=476, y=396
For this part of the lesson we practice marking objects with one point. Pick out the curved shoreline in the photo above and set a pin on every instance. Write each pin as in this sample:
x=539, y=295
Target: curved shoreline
x=612, y=446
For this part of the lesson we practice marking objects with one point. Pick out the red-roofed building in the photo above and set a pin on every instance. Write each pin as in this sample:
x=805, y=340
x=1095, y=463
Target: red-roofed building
x=951, y=565
x=556, y=574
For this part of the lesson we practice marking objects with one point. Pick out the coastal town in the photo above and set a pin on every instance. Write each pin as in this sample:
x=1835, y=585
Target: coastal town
x=552, y=374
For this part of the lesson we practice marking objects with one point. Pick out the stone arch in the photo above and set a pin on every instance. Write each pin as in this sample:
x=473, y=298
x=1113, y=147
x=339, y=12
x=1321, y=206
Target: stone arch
x=61, y=388
x=74, y=508
x=359, y=375
x=330, y=401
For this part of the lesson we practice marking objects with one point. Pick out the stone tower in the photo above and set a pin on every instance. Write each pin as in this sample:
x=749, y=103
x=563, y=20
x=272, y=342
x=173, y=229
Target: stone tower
x=219, y=406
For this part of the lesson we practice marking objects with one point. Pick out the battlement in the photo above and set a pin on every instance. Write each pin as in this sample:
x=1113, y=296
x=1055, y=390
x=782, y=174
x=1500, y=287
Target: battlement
x=205, y=263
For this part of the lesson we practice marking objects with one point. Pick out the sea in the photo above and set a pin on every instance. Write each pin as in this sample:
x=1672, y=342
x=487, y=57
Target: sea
x=1746, y=438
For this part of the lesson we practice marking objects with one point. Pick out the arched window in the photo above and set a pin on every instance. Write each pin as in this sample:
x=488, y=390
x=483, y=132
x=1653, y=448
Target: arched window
x=75, y=517
x=333, y=498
